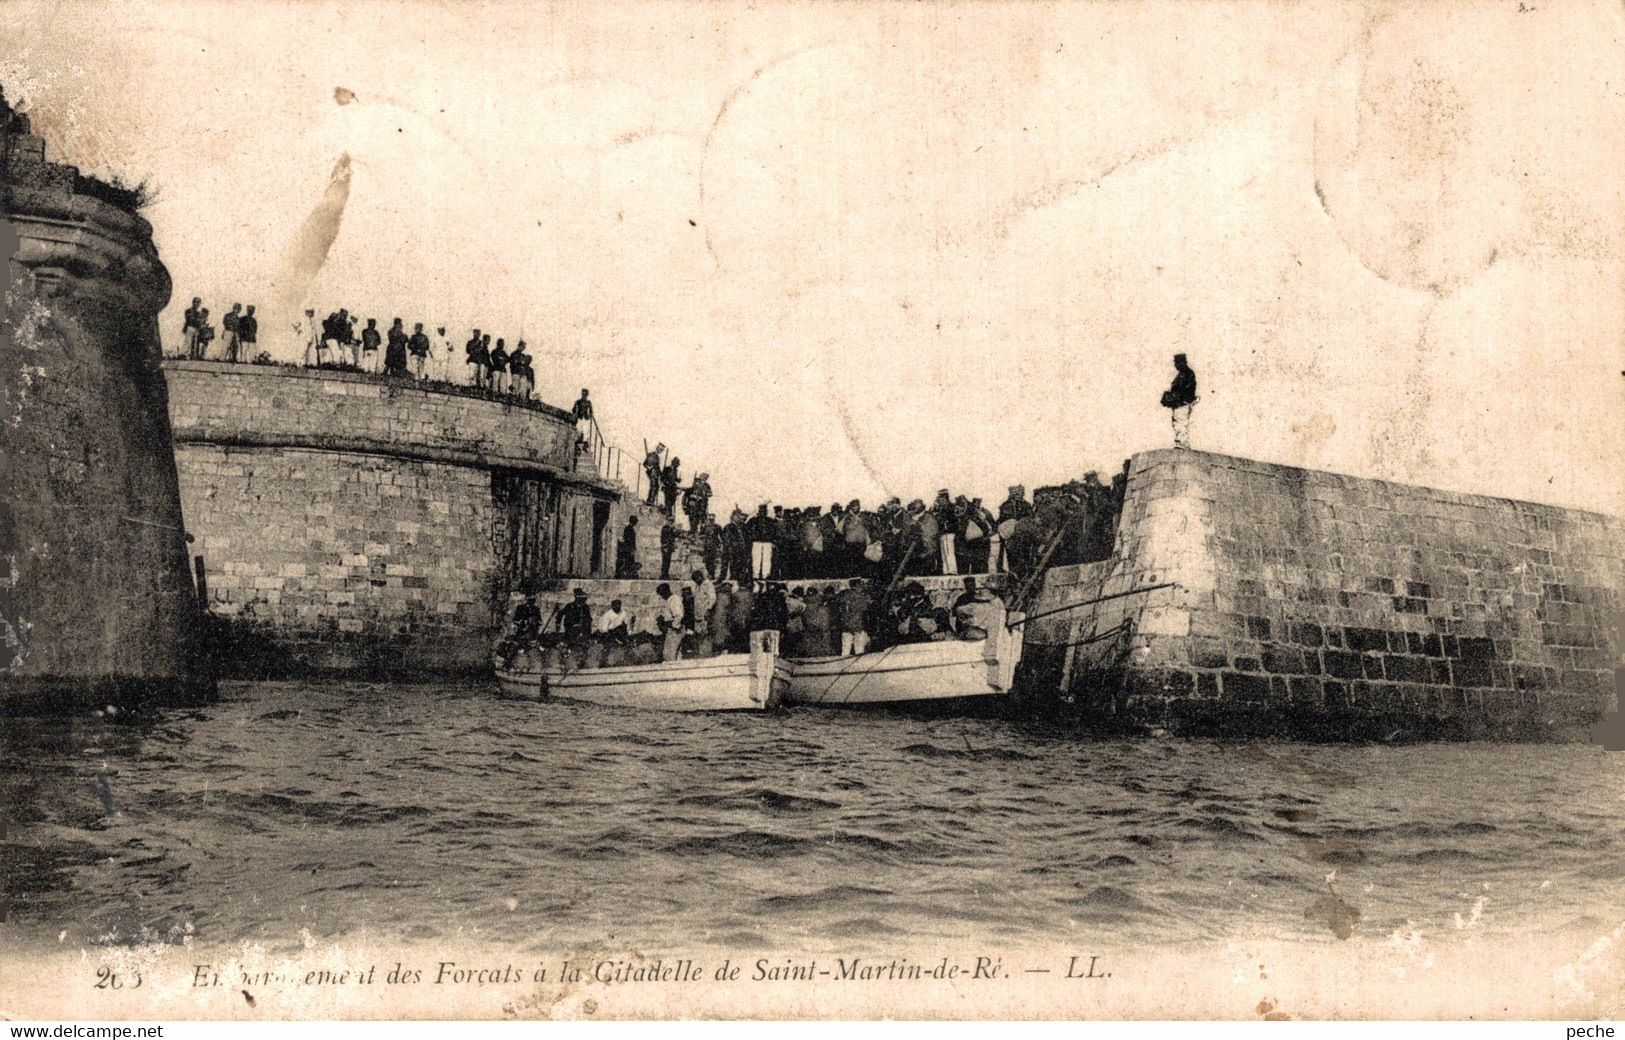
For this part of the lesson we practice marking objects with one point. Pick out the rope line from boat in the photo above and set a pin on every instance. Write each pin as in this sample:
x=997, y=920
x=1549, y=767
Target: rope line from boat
x=1117, y=629
x=1090, y=602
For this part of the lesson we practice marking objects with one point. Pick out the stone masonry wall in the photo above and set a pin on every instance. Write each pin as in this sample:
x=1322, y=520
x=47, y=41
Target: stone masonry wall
x=282, y=406
x=356, y=524
x=1323, y=603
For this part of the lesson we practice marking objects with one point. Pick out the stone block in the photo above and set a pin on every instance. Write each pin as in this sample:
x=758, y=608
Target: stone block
x=1343, y=664
x=1365, y=639
x=1288, y=660
x=1245, y=688
x=1307, y=634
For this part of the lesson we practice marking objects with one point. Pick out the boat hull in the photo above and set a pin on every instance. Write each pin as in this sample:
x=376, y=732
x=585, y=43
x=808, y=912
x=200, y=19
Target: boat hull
x=756, y=681
x=911, y=673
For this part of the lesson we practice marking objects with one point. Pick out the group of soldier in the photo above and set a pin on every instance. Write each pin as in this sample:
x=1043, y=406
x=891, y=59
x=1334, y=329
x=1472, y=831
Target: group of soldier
x=240, y=332
x=393, y=352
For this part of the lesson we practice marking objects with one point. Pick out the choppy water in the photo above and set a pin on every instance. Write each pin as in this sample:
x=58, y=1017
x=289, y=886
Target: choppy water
x=417, y=812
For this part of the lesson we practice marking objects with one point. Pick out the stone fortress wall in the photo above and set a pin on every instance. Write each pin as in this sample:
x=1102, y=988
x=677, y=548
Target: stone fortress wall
x=1326, y=603
x=359, y=524
x=96, y=599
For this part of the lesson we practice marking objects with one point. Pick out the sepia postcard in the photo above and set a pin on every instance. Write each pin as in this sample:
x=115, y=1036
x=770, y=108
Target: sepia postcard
x=807, y=510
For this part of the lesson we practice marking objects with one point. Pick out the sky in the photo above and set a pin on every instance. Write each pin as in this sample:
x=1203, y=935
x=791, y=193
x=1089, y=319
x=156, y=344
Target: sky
x=827, y=251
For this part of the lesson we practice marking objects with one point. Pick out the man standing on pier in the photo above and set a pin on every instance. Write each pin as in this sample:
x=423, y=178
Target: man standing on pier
x=761, y=532
x=1179, y=399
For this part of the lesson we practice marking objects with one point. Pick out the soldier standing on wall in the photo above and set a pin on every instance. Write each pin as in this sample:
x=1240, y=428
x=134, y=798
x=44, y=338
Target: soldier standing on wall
x=205, y=333
x=395, y=354
x=670, y=478
x=190, y=324
x=1179, y=399
x=583, y=414
x=418, y=345
x=521, y=377
x=498, y=361
x=474, y=355
x=445, y=351
x=248, y=334
x=370, y=340
x=228, y=326
x=651, y=469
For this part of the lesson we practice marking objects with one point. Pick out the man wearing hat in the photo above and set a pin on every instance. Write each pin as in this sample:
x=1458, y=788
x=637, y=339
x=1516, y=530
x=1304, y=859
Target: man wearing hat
x=576, y=619
x=1179, y=399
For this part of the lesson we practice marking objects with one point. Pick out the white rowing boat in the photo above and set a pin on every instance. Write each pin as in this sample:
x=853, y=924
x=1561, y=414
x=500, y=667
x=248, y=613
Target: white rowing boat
x=912, y=672
x=755, y=681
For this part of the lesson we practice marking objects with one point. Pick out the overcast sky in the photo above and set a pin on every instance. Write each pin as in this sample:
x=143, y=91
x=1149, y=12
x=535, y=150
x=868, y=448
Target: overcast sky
x=826, y=251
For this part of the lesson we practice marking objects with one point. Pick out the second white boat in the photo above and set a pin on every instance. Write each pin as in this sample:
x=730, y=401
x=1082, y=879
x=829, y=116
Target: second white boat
x=951, y=669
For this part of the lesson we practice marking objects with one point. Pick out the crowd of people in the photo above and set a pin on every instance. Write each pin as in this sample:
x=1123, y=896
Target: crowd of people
x=955, y=534
x=335, y=342
x=702, y=618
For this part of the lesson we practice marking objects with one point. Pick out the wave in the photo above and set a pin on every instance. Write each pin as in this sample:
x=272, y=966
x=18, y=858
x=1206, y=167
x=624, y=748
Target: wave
x=972, y=754
x=762, y=798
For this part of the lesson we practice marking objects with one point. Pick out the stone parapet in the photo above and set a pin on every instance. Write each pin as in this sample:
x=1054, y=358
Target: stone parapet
x=1314, y=598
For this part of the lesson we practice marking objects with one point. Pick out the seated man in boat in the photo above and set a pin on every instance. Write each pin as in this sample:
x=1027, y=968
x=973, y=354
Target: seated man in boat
x=613, y=625
x=975, y=612
x=817, y=625
x=527, y=620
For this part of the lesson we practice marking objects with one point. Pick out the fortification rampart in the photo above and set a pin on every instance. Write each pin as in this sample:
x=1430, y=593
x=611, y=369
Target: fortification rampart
x=96, y=601
x=1325, y=604
x=358, y=524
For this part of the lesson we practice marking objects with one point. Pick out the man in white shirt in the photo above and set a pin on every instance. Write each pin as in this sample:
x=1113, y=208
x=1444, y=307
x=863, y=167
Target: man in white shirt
x=614, y=622
x=670, y=620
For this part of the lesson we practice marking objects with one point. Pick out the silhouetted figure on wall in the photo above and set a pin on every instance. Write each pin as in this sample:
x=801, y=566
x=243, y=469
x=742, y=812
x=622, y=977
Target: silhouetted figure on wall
x=670, y=477
x=651, y=470
x=626, y=551
x=248, y=333
x=668, y=545
x=1179, y=399
x=395, y=356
